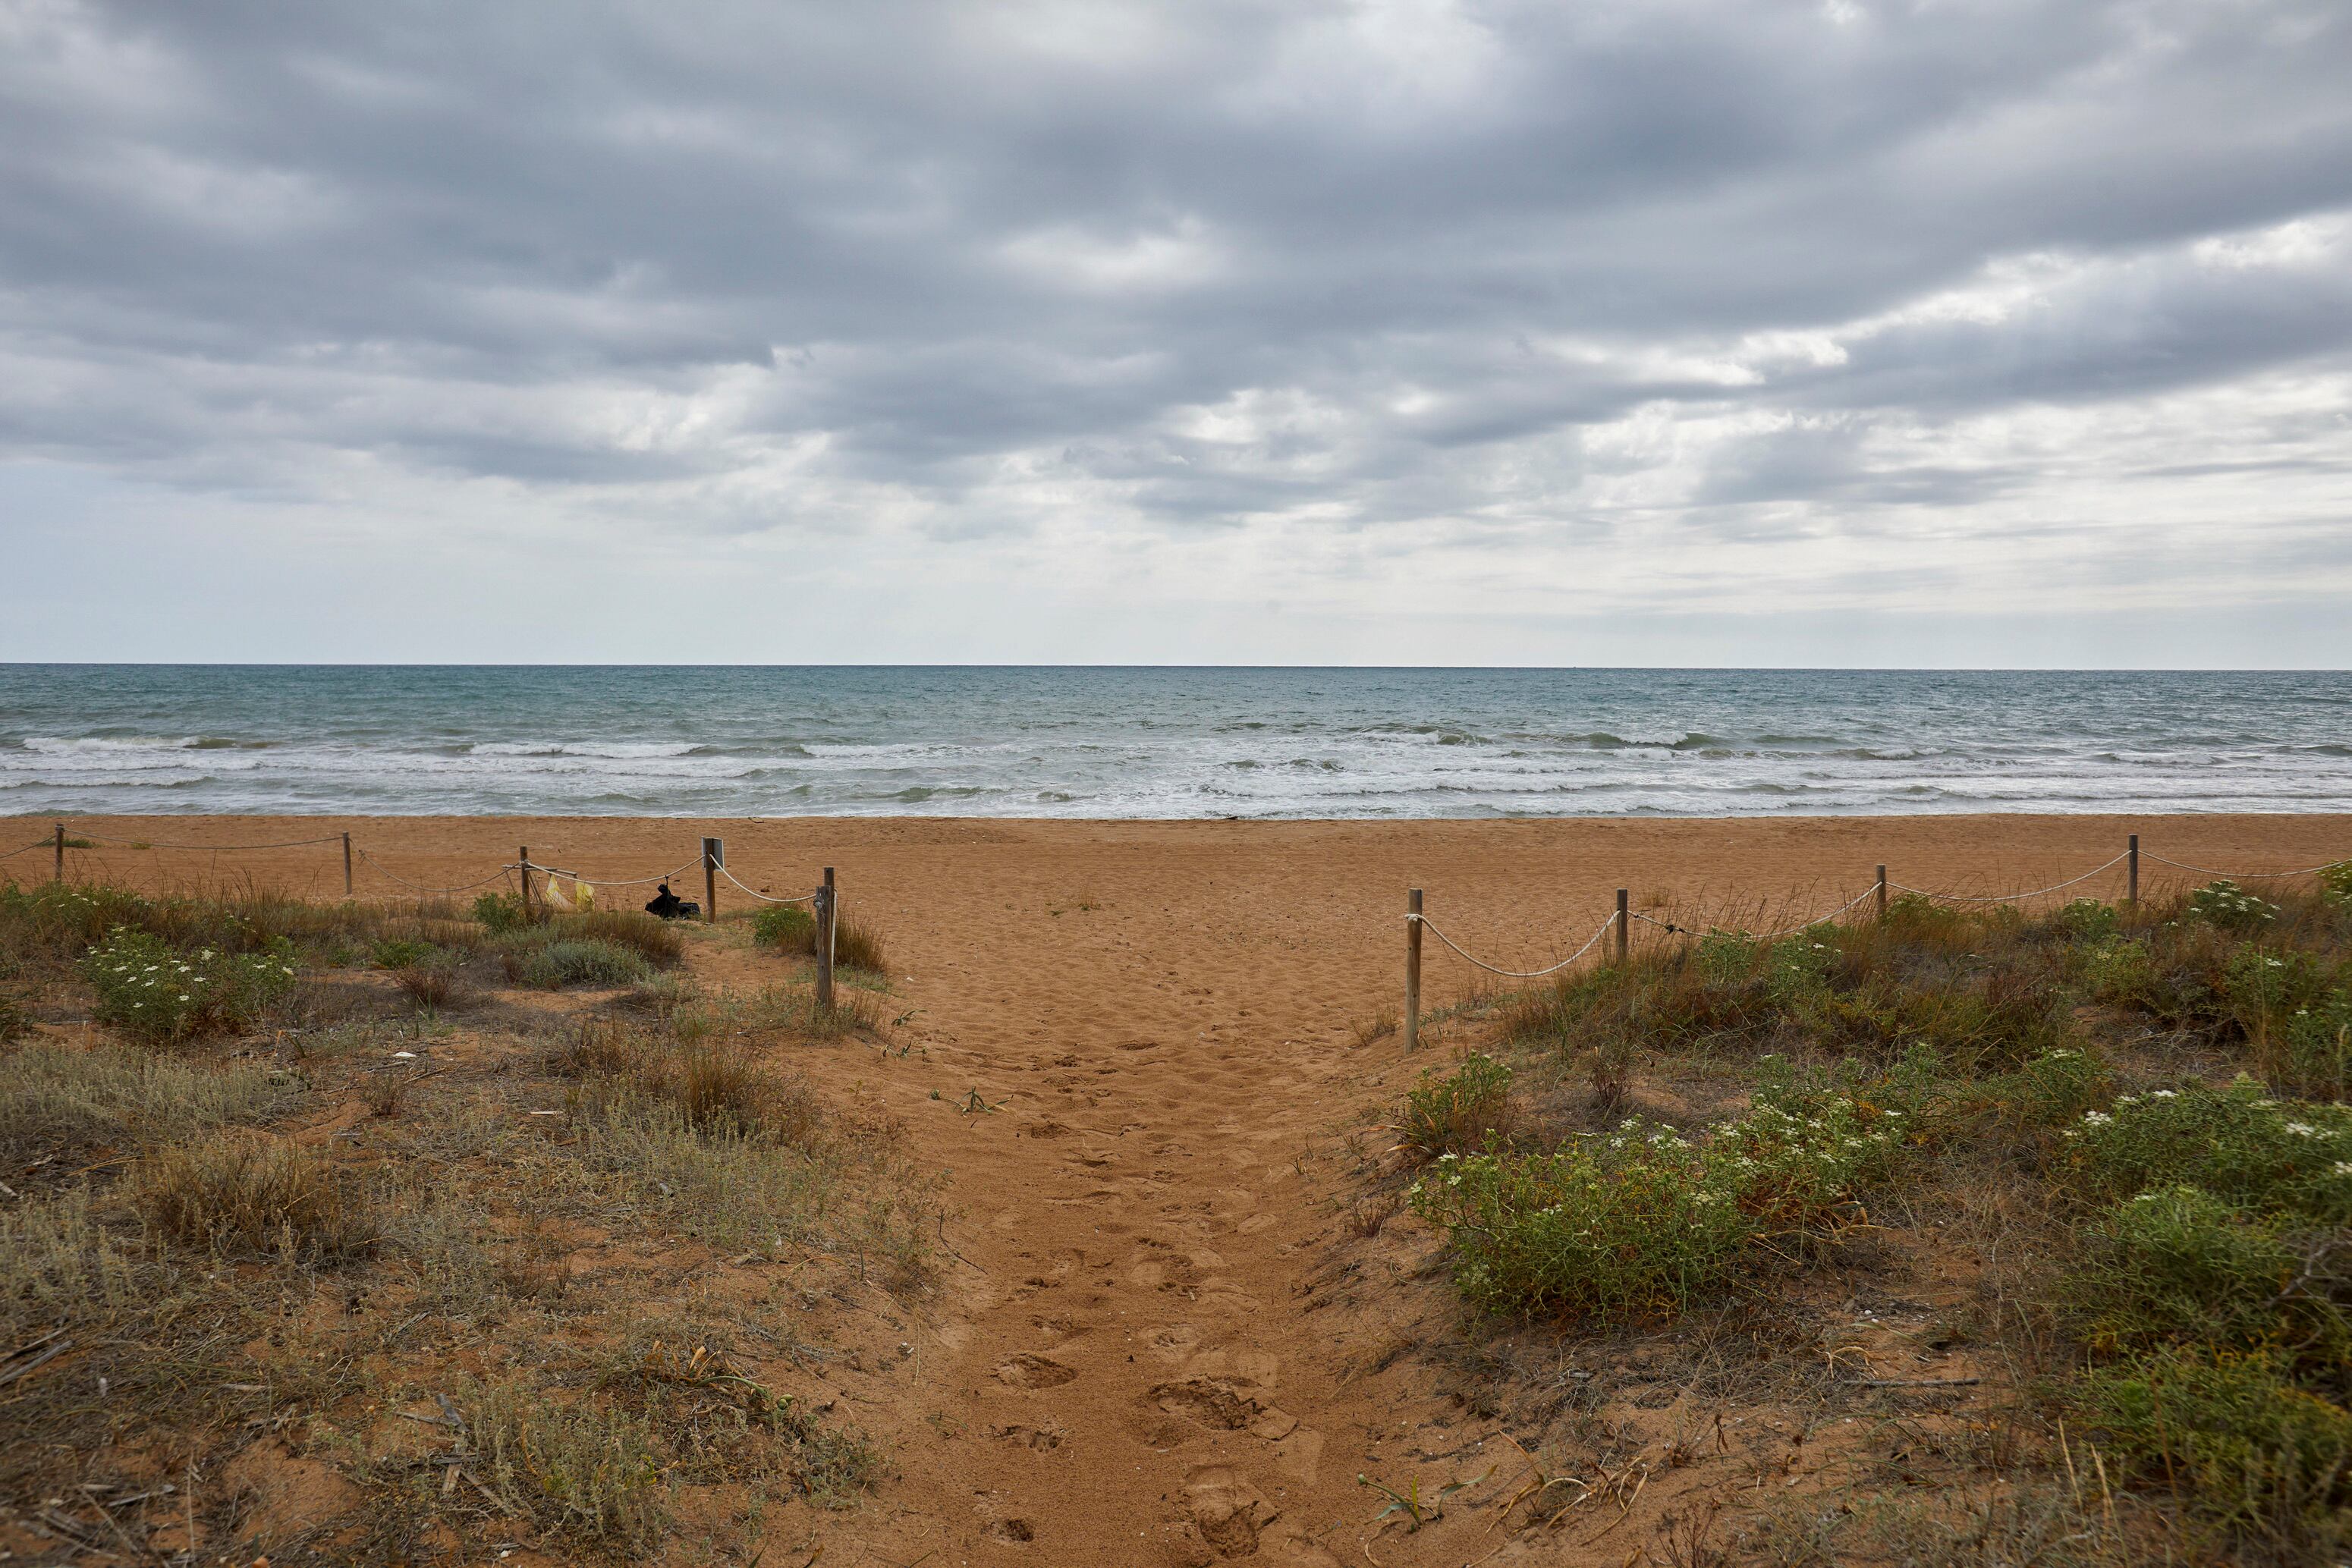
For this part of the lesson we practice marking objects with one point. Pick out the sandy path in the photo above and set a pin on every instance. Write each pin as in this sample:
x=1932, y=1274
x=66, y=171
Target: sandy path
x=1161, y=1014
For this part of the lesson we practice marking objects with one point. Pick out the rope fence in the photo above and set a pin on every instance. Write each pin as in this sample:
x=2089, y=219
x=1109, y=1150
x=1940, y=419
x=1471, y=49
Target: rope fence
x=1620, y=921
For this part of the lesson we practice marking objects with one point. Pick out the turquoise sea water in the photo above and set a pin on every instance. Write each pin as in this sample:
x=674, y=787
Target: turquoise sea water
x=1109, y=742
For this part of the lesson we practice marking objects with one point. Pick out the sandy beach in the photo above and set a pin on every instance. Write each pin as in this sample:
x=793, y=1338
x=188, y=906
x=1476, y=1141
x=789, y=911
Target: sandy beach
x=1164, y=1017
x=1306, y=910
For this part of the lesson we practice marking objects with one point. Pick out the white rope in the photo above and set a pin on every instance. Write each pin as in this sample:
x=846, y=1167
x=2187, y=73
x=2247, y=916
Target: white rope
x=223, y=848
x=764, y=898
x=2011, y=897
x=1767, y=936
x=1870, y=891
x=2257, y=875
x=610, y=880
x=1517, y=974
x=36, y=844
x=500, y=875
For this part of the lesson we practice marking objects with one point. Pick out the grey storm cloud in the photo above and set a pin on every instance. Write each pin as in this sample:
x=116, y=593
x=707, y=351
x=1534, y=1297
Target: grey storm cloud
x=1192, y=264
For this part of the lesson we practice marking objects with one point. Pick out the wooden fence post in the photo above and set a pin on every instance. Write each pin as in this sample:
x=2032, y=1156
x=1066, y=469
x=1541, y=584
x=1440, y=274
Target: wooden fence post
x=2131, y=871
x=525, y=858
x=1624, y=930
x=714, y=855
x=1413, y=970
x=346, y=866
x=825, y=914
x=62, y=853
x=1881, y=892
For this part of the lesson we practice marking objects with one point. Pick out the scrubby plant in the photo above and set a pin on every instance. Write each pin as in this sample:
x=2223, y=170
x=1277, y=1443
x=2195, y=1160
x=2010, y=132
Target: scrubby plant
x=2178, y=1266
x=1640, y=1222
x=2116, y=969
x=15, y=999
x=785, y=925
x=587, y=1471
x=2236, y=1437
x=2088, y=920
x=2226, y=907
x=1457, y=1112
x=2313, y=1052
x=2240, y=1144
x=1607, y=1230
x=149, y=989
x=499, y=913
x=790, y=928
x=553, y=965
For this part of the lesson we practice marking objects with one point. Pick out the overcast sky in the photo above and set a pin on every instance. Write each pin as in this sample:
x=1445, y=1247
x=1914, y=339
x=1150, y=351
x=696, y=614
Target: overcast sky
x=1660, y=331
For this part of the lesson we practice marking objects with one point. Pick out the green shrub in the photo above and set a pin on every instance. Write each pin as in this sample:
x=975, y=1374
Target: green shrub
x=790, y=928
x=2256, y=1153
x=2314, y=1048
x=1460, y=1111
x=149, y=989
x=785, y=925
x=2053, y=1089
x=554, y=964
x=2180, y=1267
x=2236, y=1438
x=15, y=1011
x=65, y=919
x=2118, y=969
x=2226, y=907
x=1611, y=1230
x=1639, y=1223
x=499, y=913
x=2262, y=986
x=404, y=953
x=2087, y=920
x=1796, y=1169
x=2336, y=882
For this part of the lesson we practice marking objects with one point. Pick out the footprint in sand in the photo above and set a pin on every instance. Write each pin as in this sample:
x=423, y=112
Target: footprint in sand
x=1218, y=1405
x=1044, y=1439
x=1033, y=1371
x=1227, y=1511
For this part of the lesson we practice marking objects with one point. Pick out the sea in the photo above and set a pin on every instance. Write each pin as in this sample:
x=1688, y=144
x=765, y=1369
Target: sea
x=1087, y=742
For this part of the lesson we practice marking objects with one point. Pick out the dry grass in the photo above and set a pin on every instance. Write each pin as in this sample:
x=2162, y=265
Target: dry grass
x=587, y=1471
x=431, y=985
x=716, y=1084
x=215, y=1282
x=791, y=929
x=247, y=1195
x=657, y=941
x=61, y=1098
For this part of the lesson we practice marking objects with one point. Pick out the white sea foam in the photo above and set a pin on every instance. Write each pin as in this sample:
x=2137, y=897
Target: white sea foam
x=1159, y=743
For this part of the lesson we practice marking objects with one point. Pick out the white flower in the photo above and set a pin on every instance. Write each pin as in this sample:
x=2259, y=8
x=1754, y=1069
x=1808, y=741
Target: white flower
x=2302, y=1129
x=2163, y=1094
x=2342, y=1167
x=2096, y=1119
